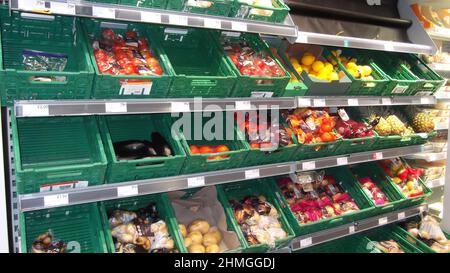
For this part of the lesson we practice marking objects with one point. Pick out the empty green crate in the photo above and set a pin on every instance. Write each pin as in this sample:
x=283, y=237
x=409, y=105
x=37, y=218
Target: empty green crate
x=361, y=87
x=295, y=89
x=249, y=85
x=210, y=7
x=351, y=244
x=196, y=163
x=275, y=14
x=377, y=175
x=389, y=233
x=163, y=208
x=108, y=86
x=139, y=127
x=79, y=226
x=199, y=68
x=240, y=190
x=348, y=183
x=49, y=151
x=49, y=34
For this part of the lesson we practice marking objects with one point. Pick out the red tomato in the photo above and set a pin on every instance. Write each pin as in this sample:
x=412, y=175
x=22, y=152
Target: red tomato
x=254, y=145
x=258, y=62
x=130, y=69
x=326, y=137
x=152, y=61
x=124, y=62
x=157, y=70
x=108, y=33
x=234, y=58
x=117, y=48
x=245, y=71
x=143, y=44
x=206, y=150
x=222, y=149
x=326, y=128
x=146, y=54
x=278, y=72
x=194, y=149
x=100, y=55
x=131, y=34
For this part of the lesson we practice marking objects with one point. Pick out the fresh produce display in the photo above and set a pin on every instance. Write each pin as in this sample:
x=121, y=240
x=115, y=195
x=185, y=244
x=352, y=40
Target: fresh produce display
x=373, y=191
x=315, y=67
x=206, y=149
x=44, y=243
x=388, y=121
x=363, y=72
x=390, y=246
x=311, y=125
x=137, y=149
x=125, y=55
x=421, y=121
x=261, y=132
x=349, y=128
x=428, y=231
x=251, y=62
x=200, y=237
x=316, y=197
x=258, y=220
x=404, y=177
x=140, y=231
x=261, y=4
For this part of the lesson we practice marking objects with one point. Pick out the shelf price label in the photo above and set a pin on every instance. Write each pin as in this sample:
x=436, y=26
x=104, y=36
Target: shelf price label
x=63, y=8
x=178, y=20
x=243, y=105
x=103, y=12
x=310, y=165
x=386, y=101
x=352, y=102
x=382, y=221
x=115, y=107
x=125, y=191
x=301, y=39
x=319, y=103
x=252, y=174
x=198, y=181
x=303, y=102
x=35, y=110
x=351, y=229
x=61, y=199
x=212, y=23
x=377, y=156
x=177, y=106
x=31, y=4
x=150, y=17
x=305, y=242
x=401, y=216
x=388, y=46
x=426, y=100
x=238, y=26
x=342, y=161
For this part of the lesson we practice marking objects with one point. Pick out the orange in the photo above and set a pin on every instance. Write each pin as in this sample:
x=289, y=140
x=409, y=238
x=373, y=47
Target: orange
x=206, y=150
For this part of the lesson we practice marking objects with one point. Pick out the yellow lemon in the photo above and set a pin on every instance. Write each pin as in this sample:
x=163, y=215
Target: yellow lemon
x=354, y=73
x=329, y=67
x=351, y=66
x=293, y=61
x=334, y=76
x=299, y=69
x=366, y=70
x=317, y=66
x=307, y=68
x=308, y=59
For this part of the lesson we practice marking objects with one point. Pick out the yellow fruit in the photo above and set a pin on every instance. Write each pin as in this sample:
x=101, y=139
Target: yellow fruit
x=351, y=66
x=343, y=59
x=396, y=180
x=329, y=67
x=199, y=225
x=299, y=69
x=196, y=237
x=187, y=242
x=366, y=70
x=317, y=66
x=334, y=76
x=323, y=75
x=212, y=249
x=354, y=73
x=308, y=59
x=210, y=239
x=307, y=68
x=293, y=61
x=196, y=249
x=308, y=54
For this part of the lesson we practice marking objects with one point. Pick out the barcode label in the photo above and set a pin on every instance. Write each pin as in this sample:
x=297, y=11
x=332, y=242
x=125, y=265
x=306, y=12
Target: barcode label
x=303, y=102
x=352, y=102
x=178, y=20
x=63, y=8
x=399, y=89
x=377, y=156
x=401, y=216
x=386, y=101
x=136, y=89
x=319, y=102
x=115, y=107
x=351, y=229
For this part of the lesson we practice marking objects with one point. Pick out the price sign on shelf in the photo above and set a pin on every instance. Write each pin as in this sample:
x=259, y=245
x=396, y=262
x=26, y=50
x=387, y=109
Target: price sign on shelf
x=198, y=181
x=388, y=46
x=306, y=242
x=178, y=20
x=351, y=229
x=310, y=165
x=303, y=102
x=252, y=174
x=352, y=102
x=130, y=190
x=238, y=26
x=401, y=216
x=115, y=107
x=56, y=200
x=382, y=221
x=62, y=8
x=31, y=4
x=212, y=23
x=180, y=106
x=377, y=156
x=35, y=110
x=243, y=105
x=342, y=161
x=319, y=103
x=386, y=101
x=150, y=17
x=103, y=12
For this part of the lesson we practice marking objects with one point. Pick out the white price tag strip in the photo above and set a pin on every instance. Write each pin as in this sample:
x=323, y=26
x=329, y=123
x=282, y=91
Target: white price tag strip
x=62, y=8
x=127, y=190
x=301, y=39
x=35, y=110
x=180, y=107
x=198, y=181
x=382, y=221
x=178, y=20
x=243, y=105
x=401, y=216
x=351, y=229
x=386, y=101
x=102, y=12
x=238, y=26
x=342, y=161
x=378, y=156
x=425, y=100
x=310, y=165
x=319, y=103
x=212, y=23
x=150, y=17
x=56, y=200
x=115, y=107
x=352, y=102
x=388, y=46
x=252, y=174
x=306, y=242
x=31, y=5
x=303, y=102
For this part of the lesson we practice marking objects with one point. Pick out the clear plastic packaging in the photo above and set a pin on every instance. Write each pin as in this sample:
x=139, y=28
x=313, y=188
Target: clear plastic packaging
x=43, y=61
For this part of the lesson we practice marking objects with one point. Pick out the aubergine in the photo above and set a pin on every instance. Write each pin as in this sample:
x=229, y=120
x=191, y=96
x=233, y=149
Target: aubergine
x=132, y=149
x=161, y=146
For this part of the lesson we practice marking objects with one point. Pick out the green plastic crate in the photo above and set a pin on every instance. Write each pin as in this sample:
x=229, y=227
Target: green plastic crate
x=377, y=175
x=157, y=4
x=401, y=80
x=217, y=7
x=295, y=89
x=78, y=226
x=248, y=85
x=231, y=225
x=390, y=233
x=199, y=68
x=275, y=14
x=108, y=86
x=316, y=150
x=163, y=207
x=242, y=189
x=196, y=163
x=362, y=87
x=348, y=184
x=351, y=244
x=130, y=127
x=49, y=35
x=48, y=151
x=412, y=200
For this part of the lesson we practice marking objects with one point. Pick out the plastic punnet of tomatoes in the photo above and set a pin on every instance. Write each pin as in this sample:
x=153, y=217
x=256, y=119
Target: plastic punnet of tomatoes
x=269, y=140
x=128, y=64
x=313, y=130
x=260, y=72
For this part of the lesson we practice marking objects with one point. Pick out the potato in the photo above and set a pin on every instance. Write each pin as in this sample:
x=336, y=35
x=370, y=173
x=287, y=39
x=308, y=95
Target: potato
x=182, y=229
x=187, y=241
x=199, y=225
x=196, y=248
x=196, y=237
x=216, y=232
x=209, y=239
x=213, y=249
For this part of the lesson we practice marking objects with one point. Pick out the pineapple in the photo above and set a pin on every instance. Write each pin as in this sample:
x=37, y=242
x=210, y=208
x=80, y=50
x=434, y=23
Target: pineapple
x=397, y=126
x=382, y=128
x=422, y=123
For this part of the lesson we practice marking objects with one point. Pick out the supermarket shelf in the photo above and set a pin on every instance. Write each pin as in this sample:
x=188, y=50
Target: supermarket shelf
x=429, y=157
x=104, y=107
x=356, y=227
x=440, y=126
x=442, y=95
x=148, y=15
x=38, y=201
x=436, y=183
